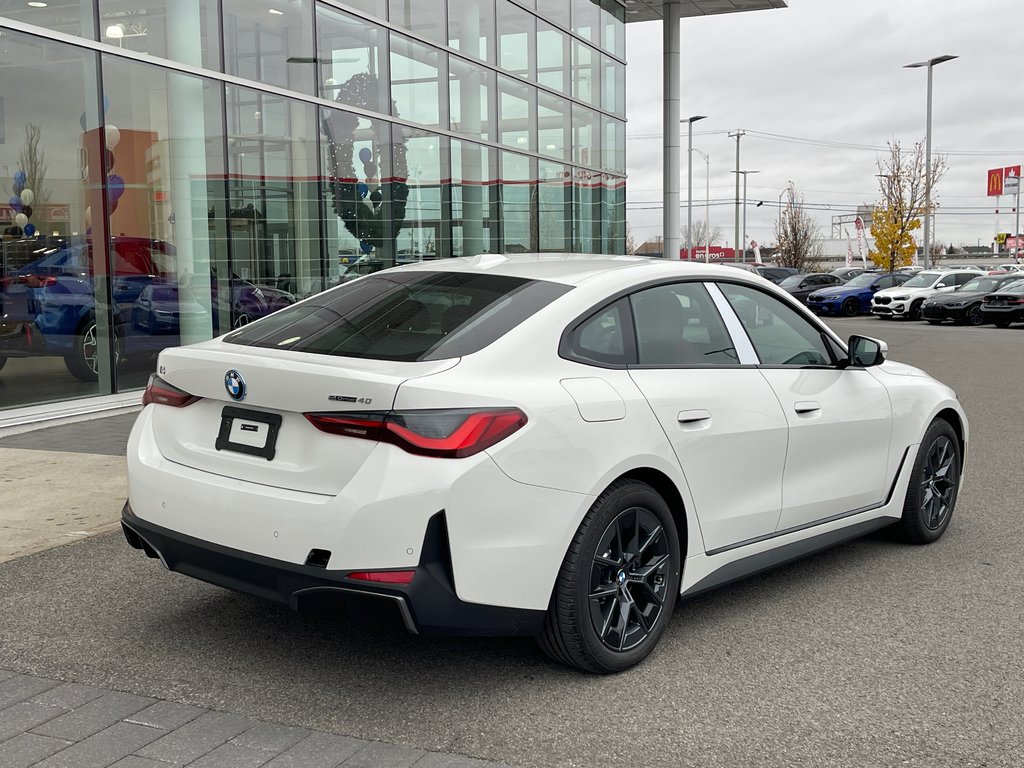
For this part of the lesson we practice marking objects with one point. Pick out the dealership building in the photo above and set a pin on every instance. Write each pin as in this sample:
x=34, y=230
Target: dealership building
x=238, y=155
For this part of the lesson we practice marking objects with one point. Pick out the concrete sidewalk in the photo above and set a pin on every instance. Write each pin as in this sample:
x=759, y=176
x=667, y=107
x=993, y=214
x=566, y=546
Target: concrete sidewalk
x=64, y=484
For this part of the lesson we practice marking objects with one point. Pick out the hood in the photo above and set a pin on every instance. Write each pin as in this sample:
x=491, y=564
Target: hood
x=899, y=290
x=902, y=369
x=837, y=290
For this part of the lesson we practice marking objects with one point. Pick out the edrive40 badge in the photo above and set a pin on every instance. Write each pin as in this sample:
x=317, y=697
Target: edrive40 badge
x=235, y=385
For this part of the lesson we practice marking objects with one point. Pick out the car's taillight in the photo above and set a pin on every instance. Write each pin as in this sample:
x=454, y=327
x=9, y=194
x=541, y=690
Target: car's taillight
x=384, y=577
x=448, y=433
x=36, y=281
x=160, y=392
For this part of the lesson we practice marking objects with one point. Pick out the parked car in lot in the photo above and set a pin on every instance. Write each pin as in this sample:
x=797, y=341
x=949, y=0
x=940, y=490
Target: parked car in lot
x=963, y=305
x=854, y=296
x=1005, y=306
x=533, y=445
x=801, y=286
x=775, y=274
x=905, y=300
x=846, y=273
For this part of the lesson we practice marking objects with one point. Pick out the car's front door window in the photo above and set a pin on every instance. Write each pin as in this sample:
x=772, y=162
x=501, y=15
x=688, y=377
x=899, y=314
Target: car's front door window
x=779, y=334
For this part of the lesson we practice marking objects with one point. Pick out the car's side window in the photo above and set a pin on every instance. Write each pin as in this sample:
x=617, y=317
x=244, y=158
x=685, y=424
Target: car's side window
x=779, y=334
x=679, y=325
x=965, y=278
x=886, y=282
x=602, y=337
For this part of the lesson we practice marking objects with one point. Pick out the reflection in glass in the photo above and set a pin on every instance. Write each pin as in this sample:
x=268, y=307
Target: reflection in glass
x=556, y=11
x=518, y=206
x=585, y=19
x=471, y=28
x=424, y=17
x=586, y=128
x=613, y=154
x=72, y=17
x=424, y=234
x=553, y=124
x=271, y=45
x=416, y=82
x=613, y=28
x=55, y=320
x=471, y=88
x=182, y=30
x=517, y=33
x=613, y=86
x=273, y=195
x=552, y=57
x=517, y=106
x=353, y=60
x=378, y=8
x=474, y=199
x=614, y=204
x=554, y=193
x=587, y=205
x=585, y=73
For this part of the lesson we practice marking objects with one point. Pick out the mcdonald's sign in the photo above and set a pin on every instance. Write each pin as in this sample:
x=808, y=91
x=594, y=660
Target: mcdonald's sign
x=995, y=182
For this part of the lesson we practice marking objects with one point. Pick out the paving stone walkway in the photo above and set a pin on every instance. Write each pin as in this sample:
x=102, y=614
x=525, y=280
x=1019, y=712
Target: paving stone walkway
x=50, y=724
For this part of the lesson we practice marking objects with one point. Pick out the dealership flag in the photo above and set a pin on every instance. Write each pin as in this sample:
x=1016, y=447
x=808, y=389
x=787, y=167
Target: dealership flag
x=849, y=249
x=861, y=241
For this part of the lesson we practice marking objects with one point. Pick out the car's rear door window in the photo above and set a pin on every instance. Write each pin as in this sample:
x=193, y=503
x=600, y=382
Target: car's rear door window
x=679, y=325
x=404, y=316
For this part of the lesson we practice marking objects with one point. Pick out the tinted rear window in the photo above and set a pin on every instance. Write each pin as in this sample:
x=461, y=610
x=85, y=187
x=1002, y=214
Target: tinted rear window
x=405, y=316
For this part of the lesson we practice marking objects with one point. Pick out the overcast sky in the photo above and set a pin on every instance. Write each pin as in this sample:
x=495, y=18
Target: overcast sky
x=831, y=70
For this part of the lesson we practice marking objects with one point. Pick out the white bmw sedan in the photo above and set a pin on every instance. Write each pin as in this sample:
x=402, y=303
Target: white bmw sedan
x=544, y=445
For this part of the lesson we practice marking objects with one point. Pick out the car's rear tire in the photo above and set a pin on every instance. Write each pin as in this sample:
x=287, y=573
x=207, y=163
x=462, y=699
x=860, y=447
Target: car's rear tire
x=851, y=307
x=974, y=315
x=618, y=583
x=934, y=486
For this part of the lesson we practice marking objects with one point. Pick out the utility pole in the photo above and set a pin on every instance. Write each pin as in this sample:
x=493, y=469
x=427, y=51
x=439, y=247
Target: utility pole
x=737, y=135
x=744, y=174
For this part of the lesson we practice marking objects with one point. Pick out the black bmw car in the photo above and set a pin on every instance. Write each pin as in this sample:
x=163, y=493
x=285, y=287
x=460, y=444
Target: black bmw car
x=964, y=305
x=1005, y=306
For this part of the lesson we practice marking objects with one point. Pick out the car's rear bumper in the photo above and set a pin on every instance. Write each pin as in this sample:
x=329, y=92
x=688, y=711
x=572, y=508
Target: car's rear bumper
x=427, y=605
x=1003, y=314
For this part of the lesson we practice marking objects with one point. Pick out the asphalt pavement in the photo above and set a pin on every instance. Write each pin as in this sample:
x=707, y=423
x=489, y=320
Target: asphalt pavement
x=871, y=654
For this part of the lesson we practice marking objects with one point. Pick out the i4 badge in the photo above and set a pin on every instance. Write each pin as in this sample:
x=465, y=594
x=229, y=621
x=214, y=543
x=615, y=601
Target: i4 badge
x=235, y=385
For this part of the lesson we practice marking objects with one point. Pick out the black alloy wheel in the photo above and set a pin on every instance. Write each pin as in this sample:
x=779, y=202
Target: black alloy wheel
x=84, y=362
x=931, y=496
x=628, y=578
x=974, y=315
x=618, y=584
x=851, y=307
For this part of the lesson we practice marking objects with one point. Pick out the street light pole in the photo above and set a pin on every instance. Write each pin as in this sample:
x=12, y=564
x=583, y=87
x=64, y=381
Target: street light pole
x=928, y=153
x=707, y=204
x=737, y=135
x=744, y=174
x=689, y=182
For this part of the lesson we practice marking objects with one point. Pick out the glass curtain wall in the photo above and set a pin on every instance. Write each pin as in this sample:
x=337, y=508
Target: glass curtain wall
x=147, y=202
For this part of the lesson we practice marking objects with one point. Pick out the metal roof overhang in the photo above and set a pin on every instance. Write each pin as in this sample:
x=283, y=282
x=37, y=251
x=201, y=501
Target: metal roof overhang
x=652, y=10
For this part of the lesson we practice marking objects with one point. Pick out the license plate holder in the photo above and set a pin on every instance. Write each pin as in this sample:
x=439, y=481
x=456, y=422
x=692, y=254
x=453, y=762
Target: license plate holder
x=250, y=432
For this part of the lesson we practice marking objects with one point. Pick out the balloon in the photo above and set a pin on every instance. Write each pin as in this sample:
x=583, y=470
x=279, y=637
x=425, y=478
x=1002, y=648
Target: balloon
x=30, y=229
x=113, y=136
x=363, y=190
x=370, y=169
x=15, y=203
x=365, y=247
x=21, y=220
x=27, y=196
x=17, y=189
x=20, y=177
x=27, y=210
x=115, y=188
x=365, y=154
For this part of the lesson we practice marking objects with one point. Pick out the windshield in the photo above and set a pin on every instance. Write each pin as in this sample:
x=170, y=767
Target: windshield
x=924, y=280
x=861, y=281
x=1017, y=286
x=792, y=281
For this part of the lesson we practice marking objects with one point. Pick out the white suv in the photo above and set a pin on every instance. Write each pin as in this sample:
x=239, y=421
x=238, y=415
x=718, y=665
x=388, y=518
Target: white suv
x=906, y=300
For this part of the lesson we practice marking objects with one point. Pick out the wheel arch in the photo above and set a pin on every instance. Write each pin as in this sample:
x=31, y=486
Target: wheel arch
x=953, y=418
x=669, y=491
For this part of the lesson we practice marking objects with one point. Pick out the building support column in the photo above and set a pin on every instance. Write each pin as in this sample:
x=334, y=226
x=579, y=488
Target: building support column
x=670, y=130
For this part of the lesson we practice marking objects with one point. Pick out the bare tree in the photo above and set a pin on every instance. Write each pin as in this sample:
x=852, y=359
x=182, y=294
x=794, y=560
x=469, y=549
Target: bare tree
x=903, y=183
x=630, y=242
x=700, y=235
x=798, y=235
x=32, y=160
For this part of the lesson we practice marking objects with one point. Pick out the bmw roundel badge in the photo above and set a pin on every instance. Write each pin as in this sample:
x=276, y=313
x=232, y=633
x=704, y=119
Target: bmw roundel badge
x=235, y=385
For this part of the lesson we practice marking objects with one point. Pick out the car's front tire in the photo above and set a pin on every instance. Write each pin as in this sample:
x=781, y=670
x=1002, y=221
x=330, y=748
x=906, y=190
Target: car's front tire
x=974, y=315
x=83, y=363
x=934, y=486
x=618, y=583
x=914, y=313
x=851, y=307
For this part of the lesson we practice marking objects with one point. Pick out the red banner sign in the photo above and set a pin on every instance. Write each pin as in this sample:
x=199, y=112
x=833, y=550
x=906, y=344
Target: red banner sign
x=995, y=182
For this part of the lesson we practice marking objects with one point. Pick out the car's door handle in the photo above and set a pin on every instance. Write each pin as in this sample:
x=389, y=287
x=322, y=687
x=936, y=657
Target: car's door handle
x=805, y=407
x=697, y=418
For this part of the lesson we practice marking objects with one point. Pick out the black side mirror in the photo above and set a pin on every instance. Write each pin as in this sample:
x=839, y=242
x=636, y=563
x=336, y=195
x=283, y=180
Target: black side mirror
x=866, y=352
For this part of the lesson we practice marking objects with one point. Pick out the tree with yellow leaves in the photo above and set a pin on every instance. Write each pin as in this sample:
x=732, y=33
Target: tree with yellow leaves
x=902, y=182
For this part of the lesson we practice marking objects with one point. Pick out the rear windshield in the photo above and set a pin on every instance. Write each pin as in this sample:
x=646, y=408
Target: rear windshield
x=404, y=316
